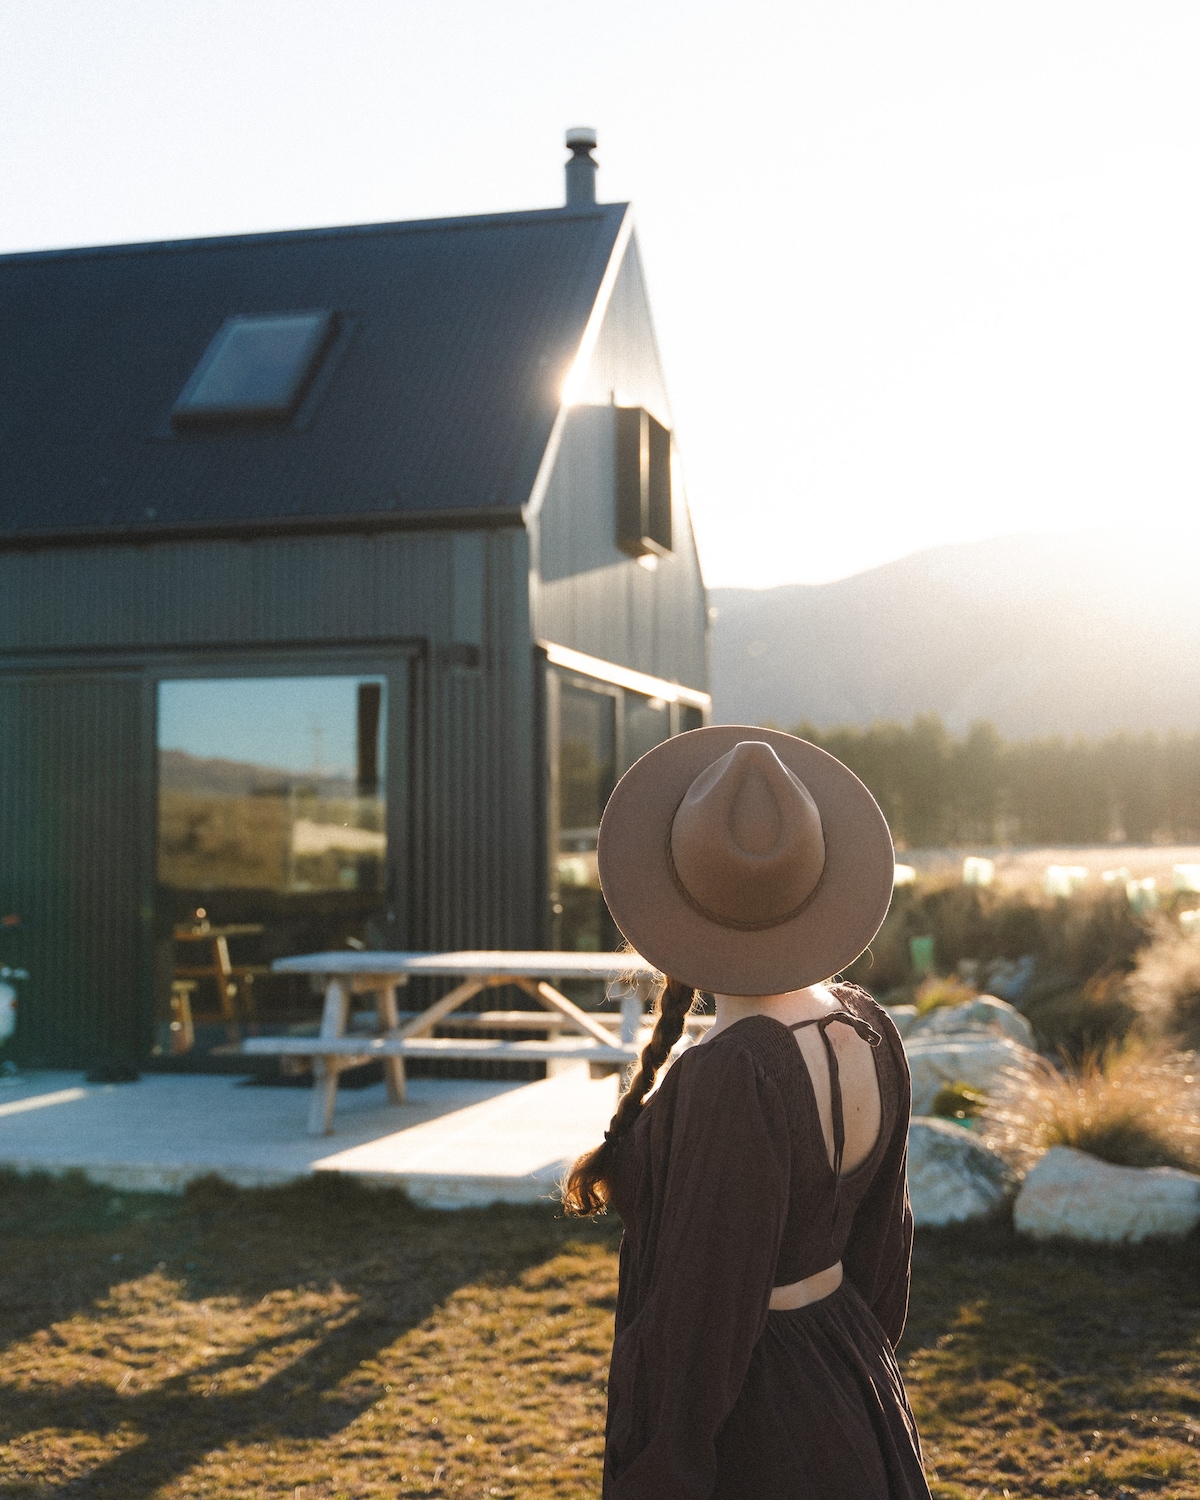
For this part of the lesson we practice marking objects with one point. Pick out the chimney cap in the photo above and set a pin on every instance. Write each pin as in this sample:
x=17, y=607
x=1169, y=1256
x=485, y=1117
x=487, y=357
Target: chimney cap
x=581, y=139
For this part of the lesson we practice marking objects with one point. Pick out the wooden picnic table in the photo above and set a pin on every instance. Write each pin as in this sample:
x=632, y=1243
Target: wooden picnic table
x=380, y=974
x=221, y=969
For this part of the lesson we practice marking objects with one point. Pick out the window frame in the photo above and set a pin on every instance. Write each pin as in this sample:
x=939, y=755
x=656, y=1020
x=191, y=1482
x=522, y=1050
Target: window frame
x=644, y=488
x=186, y=415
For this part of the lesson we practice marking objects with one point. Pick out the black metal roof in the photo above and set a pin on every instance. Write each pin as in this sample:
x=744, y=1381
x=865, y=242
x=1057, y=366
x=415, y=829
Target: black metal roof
x=436, y=399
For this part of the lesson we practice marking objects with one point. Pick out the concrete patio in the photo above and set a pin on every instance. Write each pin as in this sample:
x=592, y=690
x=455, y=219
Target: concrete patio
x=454, y=1144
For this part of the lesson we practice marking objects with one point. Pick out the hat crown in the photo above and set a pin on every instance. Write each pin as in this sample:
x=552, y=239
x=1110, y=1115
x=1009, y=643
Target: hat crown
x=746, y=841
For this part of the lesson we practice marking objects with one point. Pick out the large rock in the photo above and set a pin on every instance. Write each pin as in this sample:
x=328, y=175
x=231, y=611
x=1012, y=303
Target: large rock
x=974, y=1058
x=1074, y=1195
x=984, y=1013
x=952, y=1175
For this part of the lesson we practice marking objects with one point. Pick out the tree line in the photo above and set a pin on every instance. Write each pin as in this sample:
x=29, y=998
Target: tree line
x=938, y=789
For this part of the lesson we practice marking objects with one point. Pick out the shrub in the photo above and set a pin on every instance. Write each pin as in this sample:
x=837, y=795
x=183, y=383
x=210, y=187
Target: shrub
x=1083, y=948
x=1135, y=1105
x=1164, y=985
x=958, y=1101
x=1077, y=1020
x=936, y=993
x=1088, y=933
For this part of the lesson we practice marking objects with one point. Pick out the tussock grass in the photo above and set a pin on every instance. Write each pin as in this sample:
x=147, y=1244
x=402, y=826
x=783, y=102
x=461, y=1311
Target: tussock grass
x=1164, y=986
x=1135, y=1105
x=337, y=1344
x=1071, y=940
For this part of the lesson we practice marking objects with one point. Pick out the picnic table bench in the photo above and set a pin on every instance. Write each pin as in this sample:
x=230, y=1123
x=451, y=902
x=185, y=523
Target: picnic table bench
x=348, y=973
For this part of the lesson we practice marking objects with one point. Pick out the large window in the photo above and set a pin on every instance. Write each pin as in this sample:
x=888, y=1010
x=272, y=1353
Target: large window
x=647, y=723
x=272, y=836
x=587, y=762
x=597, y=732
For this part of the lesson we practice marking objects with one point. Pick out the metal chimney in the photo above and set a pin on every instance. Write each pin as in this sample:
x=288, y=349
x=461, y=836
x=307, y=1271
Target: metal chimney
x=581, y=169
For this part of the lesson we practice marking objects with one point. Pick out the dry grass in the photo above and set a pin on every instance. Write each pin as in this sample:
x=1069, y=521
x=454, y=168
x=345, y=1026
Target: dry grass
x=318, y=1340
x=1164, y=986
x=1134, y=1104
x=325, y=1342
x=1055, y=1372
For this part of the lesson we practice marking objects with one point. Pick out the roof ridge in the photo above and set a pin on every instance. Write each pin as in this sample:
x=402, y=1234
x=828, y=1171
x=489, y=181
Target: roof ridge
x=455, y=223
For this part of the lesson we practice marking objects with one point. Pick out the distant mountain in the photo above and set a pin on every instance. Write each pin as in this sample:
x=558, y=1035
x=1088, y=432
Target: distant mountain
x=1063, y=633
x=204, y=776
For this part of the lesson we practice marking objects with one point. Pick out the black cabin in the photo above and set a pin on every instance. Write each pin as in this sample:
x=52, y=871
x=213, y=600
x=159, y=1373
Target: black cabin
x=341, y=573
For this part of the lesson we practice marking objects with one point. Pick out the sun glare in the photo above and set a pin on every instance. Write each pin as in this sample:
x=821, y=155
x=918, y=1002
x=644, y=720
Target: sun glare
x=576, y=378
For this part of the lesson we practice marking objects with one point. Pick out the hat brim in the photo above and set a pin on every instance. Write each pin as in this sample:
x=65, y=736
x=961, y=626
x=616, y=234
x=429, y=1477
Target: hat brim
x=647, y=905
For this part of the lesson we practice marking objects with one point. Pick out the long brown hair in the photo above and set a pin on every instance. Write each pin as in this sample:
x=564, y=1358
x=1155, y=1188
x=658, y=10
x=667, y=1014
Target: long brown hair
x=586, y=1189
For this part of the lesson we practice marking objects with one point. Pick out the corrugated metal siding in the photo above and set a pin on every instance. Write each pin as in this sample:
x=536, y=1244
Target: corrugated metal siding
x=590, y=595
x=74, y=831
x=438, y=588
x=195, y=594
x=472, y=870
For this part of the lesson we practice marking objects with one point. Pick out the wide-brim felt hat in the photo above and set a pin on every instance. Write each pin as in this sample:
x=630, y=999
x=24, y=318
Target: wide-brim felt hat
x=745, y=861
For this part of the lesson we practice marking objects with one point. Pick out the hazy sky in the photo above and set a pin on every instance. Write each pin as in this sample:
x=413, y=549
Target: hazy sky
x=921, y=272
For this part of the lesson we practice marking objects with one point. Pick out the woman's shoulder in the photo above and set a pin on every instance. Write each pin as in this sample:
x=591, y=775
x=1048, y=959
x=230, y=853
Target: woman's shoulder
x=855, y=999
x=756, y=1046
x=743, y=1074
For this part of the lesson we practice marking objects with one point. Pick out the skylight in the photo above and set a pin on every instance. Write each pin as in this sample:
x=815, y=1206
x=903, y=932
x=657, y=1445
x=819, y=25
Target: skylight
x=256, y=368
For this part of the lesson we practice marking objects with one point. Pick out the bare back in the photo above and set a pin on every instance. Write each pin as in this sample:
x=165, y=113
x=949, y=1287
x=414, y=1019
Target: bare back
x=861, y=1109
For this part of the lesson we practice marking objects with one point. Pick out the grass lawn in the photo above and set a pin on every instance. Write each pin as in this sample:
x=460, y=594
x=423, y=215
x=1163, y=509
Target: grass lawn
x=322, y=1341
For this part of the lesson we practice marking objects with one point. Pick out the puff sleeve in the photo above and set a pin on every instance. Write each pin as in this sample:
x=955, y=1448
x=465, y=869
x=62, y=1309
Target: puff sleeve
x=704, y=1274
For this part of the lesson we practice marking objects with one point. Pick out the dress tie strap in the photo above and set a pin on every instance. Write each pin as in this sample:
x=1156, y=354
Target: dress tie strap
x=873, y=1039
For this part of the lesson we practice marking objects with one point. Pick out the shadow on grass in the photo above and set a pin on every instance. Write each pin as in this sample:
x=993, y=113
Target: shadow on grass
x=387, y=1265
x=1059, y=1368
x=1066, y=1308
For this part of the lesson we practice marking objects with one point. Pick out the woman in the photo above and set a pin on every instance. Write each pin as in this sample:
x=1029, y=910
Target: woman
x=765, y=1260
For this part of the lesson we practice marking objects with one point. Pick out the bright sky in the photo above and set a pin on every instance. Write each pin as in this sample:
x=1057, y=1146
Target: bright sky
x=921, y=272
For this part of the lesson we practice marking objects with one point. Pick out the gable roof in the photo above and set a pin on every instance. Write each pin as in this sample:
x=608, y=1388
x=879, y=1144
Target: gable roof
x=436, y=401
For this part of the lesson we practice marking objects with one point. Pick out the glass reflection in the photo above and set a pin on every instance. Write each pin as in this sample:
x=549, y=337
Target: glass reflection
x=647, y=723
x=587, y=755
x=271, y=784
x=272, y=839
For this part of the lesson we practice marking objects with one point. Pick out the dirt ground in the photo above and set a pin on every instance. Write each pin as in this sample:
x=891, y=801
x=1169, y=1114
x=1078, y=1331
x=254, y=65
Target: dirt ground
x=324, y=1341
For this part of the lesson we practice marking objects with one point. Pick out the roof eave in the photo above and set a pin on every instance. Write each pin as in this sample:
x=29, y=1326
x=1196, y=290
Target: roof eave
x=478, y=518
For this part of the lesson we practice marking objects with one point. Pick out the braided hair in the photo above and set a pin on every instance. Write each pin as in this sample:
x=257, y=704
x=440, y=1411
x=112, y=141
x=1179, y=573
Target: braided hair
x=586, y=1189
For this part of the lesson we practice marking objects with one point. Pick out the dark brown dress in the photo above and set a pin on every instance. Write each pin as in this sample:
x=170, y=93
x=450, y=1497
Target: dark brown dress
x=725, y=1190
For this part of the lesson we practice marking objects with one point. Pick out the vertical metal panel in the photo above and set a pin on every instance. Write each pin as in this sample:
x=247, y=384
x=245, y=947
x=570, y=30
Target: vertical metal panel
x=590, y=595
x=74, y=850
x=515, y=751
x=468, y=582
x=472, y=871
x=194, y=594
